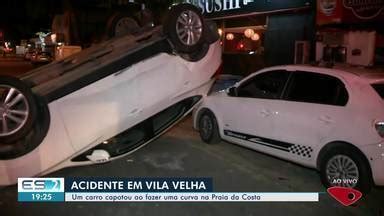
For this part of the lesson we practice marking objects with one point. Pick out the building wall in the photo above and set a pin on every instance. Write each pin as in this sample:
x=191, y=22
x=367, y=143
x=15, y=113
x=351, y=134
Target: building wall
x=282, y=32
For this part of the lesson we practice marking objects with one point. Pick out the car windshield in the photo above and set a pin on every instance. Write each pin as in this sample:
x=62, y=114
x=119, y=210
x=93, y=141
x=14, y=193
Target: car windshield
x=379, y=88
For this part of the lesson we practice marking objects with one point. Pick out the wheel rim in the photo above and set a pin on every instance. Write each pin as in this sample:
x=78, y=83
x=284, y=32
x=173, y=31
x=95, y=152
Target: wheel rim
x=189, y=27
x=124, y=26
x=14, y=110
x=206, y=127
x=342, y=171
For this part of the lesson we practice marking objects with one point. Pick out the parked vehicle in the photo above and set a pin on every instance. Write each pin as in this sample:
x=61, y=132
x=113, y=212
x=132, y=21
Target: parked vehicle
x=28, y=55
x=328, y=119
x=6, y=49
x=106, y=101
x=92, y=21
x=41, y=58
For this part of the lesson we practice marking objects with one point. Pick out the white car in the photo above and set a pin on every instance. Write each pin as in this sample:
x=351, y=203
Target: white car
x=108, y=100
x=328, y=119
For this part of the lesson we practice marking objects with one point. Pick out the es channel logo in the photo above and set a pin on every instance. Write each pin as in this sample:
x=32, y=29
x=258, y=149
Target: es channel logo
x=40, y=189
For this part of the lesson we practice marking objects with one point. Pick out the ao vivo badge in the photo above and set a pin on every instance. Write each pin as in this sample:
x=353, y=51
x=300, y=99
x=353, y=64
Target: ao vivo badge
x=346, y=196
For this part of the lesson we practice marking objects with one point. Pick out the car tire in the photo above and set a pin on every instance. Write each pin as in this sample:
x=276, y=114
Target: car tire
x=208, y=128
x=344, y=162
x=184, y=26
x=198, y=55
x=121, y=24
x=211, y=33
x=17, y=109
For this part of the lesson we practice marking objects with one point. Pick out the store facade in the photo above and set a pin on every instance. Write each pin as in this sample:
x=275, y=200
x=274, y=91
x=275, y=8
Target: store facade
x=260, y=33
x=350, y=32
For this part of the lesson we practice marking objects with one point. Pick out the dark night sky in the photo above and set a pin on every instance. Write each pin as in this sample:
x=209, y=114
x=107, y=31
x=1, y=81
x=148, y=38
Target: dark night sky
x=22, y=18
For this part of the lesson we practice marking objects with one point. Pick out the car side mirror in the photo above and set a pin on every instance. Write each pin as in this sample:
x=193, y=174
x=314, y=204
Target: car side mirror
x=232, y=91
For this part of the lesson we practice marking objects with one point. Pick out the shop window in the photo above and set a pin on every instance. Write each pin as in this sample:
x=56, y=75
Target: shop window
x=243, y=40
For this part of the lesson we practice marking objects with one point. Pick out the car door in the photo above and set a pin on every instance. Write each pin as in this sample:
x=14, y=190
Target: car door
x=115, y=103
x=160, y=80
x=101, y=109
x=307, y=117
x=247, y=116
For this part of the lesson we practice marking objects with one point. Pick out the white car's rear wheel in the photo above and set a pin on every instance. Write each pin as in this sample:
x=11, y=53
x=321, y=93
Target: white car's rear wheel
x=208, y=128
x=17, y=109
x=344, y=166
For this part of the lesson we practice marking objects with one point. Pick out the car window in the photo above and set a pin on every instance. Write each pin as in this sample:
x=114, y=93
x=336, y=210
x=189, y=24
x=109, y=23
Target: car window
x=268, y=85
x=379, y=88
x=317, y=88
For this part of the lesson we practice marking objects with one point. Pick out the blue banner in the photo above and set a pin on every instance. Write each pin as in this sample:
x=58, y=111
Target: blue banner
x=40, y=197
x=138, y=185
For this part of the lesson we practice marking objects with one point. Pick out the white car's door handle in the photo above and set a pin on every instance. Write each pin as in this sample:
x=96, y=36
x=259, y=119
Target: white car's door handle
x=265, y=113
x=326, y=119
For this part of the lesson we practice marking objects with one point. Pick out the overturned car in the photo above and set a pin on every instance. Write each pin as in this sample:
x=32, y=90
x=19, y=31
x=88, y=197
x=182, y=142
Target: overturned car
x=108, y=100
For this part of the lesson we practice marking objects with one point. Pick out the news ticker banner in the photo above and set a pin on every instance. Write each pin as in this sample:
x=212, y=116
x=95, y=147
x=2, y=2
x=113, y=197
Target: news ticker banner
x=142, y=190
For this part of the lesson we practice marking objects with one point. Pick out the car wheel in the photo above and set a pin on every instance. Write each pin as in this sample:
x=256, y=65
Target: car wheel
x=211, y=33
x=121, y=24
x=17, y=109
x=198, y=55
x=208, y=128
x=345, y=167
x=184, y=26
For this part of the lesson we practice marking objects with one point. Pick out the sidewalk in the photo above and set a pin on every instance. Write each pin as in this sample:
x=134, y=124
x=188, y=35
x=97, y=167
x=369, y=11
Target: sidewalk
x=14, y=66
x=11, y=58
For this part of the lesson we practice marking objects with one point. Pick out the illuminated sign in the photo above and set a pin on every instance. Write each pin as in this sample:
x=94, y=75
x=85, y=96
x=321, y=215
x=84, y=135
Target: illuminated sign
x=217, y=8
x=210, y=6
x=349, y=11
x=364, y=9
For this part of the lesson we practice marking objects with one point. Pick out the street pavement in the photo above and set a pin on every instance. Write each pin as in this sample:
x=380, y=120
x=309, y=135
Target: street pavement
x=181, y=153
x=14, y=66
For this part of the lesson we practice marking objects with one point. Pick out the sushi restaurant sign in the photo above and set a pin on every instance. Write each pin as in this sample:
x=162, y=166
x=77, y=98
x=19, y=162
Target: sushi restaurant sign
x=217, y=8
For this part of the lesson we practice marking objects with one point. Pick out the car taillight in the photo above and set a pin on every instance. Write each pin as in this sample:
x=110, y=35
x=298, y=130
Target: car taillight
x=380, y=128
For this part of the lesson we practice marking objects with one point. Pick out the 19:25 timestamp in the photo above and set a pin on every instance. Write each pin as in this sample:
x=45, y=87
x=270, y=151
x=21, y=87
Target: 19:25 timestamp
x=41, y=196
